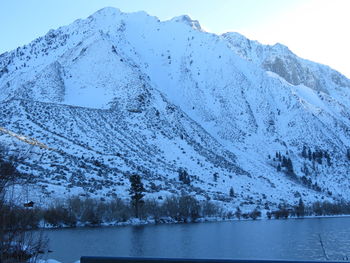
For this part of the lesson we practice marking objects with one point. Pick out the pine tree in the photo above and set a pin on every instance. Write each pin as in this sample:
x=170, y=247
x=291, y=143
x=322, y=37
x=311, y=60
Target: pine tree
x=215, y=176
x=305, y=169
x=320, y=154
x=184, y=176
x=309, y=155
x=289, y=166
x=278, y=168
x=136, y=192
x=284, y=162
x=328, y=158
x=300, y=209
x=303, y=153
x=232, y=193
x=348, y=154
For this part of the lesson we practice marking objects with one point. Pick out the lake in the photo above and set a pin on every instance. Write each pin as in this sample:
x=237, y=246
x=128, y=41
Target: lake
x=295, y=239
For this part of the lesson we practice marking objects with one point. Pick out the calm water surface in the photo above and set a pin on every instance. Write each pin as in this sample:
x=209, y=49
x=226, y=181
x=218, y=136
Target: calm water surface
x=275, y=239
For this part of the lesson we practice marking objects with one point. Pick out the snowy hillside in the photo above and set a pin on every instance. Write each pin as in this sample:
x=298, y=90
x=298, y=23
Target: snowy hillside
x=119, y=93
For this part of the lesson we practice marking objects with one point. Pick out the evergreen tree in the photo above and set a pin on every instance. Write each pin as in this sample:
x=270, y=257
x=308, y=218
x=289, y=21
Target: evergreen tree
x=320, y=154
x=215, y=176
x=289, y=166
x=238, y=212
x=328, y=158
x=348, y=154
x=305, y=169
x=300, y=209
x=309, y=154
x=284, y=162
x=184, y=176
x=232, y=193
x=278, y=168
x=136, y=192
x=303, y=153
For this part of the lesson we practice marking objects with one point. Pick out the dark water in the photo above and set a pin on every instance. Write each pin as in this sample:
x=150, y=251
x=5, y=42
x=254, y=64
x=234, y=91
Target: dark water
x=275, y=239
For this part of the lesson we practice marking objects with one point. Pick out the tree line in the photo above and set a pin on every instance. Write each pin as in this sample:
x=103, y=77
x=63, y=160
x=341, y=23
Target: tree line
x=16, y=244
x=93, y=212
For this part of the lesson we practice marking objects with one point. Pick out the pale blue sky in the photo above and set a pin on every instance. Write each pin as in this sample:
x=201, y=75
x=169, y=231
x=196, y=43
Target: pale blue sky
x=24, y=20
x=314, y=29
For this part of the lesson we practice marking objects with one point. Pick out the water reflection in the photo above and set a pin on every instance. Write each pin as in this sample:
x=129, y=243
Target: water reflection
x=137, y=241
x=275, y=239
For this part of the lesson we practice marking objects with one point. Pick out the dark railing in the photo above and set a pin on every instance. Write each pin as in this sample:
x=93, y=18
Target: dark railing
x=186, y=260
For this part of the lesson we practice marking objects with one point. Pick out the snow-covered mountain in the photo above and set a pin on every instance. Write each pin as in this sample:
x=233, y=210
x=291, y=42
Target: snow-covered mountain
x=119, y=93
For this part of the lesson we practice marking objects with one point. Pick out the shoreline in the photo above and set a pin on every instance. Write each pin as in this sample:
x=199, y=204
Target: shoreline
x=138, y=222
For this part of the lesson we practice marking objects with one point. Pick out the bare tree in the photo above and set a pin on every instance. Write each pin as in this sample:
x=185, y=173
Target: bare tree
x=17, y=243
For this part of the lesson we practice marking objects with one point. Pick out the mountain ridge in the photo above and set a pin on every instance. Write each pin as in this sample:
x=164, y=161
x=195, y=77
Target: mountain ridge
x=205, y=103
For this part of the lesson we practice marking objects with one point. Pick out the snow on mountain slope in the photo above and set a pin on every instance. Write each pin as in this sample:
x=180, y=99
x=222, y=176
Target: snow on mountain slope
x=279, y=59
x=118, y=93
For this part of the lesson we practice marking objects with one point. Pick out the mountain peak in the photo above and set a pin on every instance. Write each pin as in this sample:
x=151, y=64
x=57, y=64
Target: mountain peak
x=188, y=21
x=107, y=11
x=281, y=48
x=234, y=35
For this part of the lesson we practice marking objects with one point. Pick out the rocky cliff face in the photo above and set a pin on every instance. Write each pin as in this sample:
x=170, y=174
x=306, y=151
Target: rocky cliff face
x=120, y=93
